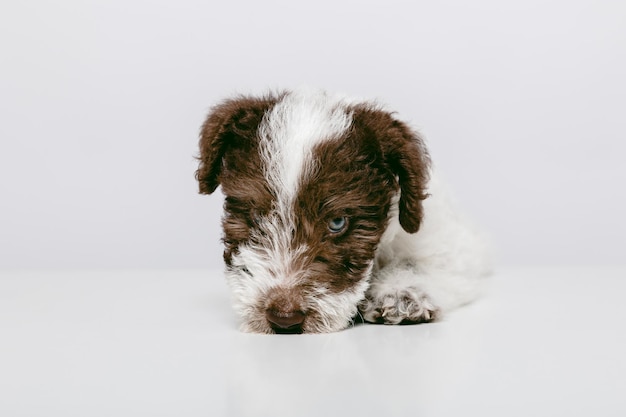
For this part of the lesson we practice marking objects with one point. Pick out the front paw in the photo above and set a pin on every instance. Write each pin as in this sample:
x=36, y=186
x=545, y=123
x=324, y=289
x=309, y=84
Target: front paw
x=406, y=305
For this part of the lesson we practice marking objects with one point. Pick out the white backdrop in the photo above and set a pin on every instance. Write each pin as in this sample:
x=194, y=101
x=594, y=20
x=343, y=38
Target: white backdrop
x=523, y=105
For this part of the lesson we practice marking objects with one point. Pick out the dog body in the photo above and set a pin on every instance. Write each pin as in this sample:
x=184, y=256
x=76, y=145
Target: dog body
x=331, y=209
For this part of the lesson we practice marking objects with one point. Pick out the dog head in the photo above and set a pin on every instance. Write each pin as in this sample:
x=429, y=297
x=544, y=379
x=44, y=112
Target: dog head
x=309, y=180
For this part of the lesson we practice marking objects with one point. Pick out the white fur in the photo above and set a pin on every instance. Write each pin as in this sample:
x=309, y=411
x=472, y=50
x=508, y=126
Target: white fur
x=446, y=260
x=338, y=309
x=269, y=267
x=437, y=269
x=290, y=131
x=288, y=134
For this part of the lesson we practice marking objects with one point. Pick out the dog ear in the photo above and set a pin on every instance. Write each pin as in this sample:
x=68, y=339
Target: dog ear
x=406, y=157
x=233, y=122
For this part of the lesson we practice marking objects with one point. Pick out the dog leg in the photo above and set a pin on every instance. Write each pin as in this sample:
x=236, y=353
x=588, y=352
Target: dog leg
x=406, y=294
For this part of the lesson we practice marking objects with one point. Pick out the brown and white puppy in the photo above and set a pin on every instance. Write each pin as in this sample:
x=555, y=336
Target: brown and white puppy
x=324, y=198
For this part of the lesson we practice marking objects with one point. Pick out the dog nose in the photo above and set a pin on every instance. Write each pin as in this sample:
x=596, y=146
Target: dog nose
x=285, y=321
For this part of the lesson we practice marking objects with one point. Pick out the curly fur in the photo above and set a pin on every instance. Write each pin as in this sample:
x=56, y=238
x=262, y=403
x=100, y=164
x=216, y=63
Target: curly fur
x=288, y=165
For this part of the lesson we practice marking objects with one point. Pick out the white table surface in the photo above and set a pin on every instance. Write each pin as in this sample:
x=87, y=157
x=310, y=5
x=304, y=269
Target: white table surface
x=543, y=342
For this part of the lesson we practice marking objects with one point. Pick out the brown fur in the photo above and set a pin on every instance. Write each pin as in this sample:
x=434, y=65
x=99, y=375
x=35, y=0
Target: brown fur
x=229, y=156
x=406, y=156
x=356, y=176
x=230, y=125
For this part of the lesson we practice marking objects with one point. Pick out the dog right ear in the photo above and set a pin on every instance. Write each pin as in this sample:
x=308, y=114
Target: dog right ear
x=232, y=122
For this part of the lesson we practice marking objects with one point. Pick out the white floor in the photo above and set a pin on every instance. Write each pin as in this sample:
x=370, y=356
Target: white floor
x=544, y=342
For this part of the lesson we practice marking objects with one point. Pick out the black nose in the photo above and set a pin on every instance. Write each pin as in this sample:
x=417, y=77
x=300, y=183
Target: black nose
x=285, y=321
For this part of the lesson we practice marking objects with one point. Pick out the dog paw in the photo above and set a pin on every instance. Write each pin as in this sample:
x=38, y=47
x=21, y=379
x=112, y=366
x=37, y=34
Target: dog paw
x=408, y=305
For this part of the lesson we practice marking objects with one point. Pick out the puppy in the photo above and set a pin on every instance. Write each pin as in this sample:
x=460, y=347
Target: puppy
x=331, y=210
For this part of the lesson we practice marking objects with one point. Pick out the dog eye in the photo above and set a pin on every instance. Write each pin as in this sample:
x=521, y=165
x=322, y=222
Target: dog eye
x=256, y=217
x=338, y=224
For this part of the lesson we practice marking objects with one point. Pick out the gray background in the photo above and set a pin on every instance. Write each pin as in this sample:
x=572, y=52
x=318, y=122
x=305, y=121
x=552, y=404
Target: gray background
x=523, y=105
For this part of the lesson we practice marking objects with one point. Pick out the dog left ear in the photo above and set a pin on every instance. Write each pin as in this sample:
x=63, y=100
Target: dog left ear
x=406, y=156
